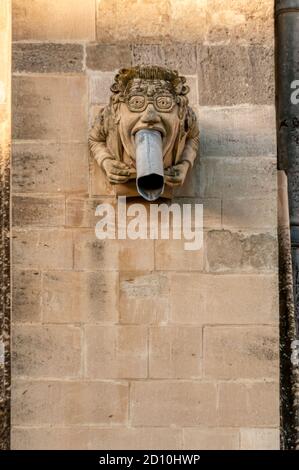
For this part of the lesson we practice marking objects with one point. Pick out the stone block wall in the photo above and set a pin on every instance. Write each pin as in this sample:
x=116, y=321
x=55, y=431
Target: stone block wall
x=141, y=344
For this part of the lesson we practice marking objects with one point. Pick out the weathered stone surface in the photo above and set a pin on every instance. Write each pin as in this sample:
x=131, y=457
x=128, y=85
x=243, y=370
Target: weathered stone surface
x=211, y=439
x=245, y=130
x=125, y=255
x=151, y=21
x=144, y=20
x=259, y=439
x=94, y=438
x=44, y=249
x=211, y=209
x=107, y=57
x=178, y=56
x=38, y=211
x=46, y=168
x=192, y=82
x=70, y=402
x=175, y=352
x=170, y=255
x=116, y=352
x=255, y=404
x=165, y=403
x=100, y=186
x=230, y=178
x=75, y=297
x=256, y=348
x=239, y=251
x=46, y=20
x=223, y=299
x=249, y=213
x=47, y=57
x=242, y=22
x=80, y=212
x=251, y=82
x=52, y=351
x=100, y=84
x=26, y=296
x=50, y=108
x=144, y=297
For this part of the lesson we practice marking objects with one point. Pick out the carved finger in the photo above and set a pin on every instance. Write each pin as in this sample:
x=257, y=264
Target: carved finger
x=115, y=171
x=118, y=164
x=173, y=181
x=117, y=178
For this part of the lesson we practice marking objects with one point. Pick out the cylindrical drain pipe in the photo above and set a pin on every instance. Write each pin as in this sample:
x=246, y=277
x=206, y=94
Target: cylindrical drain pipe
x=149, y=164
x=287, y=74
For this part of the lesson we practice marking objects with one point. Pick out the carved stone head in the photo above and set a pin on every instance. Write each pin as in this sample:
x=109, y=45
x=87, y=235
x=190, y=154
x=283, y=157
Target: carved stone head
x=147, y=133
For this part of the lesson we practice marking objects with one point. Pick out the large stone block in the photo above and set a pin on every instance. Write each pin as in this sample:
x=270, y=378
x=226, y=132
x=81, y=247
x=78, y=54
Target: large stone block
x=256, y=348
x=223, y=299
x=237, y=131
x=259, y=439
x=249, y=405
x=69, y=402
x=47, y=58
x=40, y=351
x=80, y=297
x=107, y=57
x=95, y=438
x=44, y=249
x=38, y=211
x=240, y=251
x=170, y=255
x=250, y=213
x=100, y=83
x=144, y=297
x=46, y=168
x=180, y=403
x=230, y=178
x=80, y=212
x=179, y=56
x=211, y=209
x=46, y=20
x=252, y=79
x=26, y=296
x=116, y=352
x=211, y=439
x=175, y=352
x=240, y=21
x=149, y=22
x=50, y=108
x=125, y=255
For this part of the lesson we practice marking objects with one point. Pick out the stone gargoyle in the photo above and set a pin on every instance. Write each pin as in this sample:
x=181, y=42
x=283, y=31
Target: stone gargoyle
x=147, y=137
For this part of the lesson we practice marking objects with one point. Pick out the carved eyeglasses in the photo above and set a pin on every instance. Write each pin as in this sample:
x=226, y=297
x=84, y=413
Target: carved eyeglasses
x=162, y=103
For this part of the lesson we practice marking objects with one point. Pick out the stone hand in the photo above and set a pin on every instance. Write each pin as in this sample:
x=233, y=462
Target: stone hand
x=175, y=175
x=117, y=172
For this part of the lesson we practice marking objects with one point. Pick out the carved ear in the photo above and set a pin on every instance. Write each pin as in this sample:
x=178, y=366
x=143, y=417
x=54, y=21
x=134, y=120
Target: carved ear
x=185, y=90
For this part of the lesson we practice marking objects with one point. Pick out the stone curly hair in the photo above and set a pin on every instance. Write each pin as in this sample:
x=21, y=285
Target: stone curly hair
x=174, y=81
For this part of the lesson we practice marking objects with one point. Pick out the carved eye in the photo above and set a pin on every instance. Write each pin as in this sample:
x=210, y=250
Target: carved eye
x=137, y=102
x=164, y=102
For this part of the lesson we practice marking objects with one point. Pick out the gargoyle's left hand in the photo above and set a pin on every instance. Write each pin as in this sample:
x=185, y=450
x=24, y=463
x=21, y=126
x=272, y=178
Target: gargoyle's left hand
x=175, y=175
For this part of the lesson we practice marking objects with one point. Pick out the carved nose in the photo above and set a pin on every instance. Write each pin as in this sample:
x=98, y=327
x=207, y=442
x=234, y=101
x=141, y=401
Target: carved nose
x=150, y=116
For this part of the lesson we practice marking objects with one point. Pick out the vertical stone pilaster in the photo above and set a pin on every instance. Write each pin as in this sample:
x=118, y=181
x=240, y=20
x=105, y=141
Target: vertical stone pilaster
x=5, y=138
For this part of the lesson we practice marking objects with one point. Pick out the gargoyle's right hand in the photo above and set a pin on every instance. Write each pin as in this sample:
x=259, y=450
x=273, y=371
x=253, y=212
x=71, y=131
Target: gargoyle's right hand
x=117, y=172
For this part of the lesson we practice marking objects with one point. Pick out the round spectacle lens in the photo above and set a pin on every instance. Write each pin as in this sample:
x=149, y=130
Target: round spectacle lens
x=136, y=102
x=164, y=103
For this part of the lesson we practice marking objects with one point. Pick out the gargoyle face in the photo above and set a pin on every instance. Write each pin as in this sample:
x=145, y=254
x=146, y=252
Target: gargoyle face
x=148, y=105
